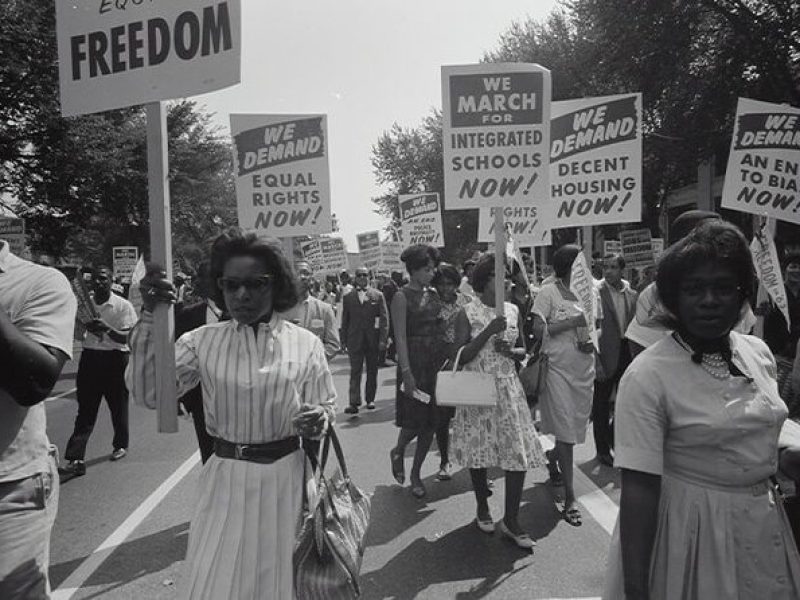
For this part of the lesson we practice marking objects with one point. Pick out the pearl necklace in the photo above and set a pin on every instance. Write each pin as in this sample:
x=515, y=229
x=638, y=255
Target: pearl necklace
x=715, y=365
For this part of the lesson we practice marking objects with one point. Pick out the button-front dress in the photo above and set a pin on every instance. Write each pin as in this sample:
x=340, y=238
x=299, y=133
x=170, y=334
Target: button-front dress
x=247, y=514
x=714, y=442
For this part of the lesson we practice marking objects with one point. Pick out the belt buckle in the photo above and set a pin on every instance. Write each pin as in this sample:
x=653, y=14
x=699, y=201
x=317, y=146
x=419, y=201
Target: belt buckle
x=239, y=451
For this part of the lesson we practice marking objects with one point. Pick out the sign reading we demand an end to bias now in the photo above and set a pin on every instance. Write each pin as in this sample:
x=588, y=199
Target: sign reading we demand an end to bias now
x=496, y=134
x=596, y=161
x=421, y=219
x=117, y=53
x=763, y=175
x=282, y=177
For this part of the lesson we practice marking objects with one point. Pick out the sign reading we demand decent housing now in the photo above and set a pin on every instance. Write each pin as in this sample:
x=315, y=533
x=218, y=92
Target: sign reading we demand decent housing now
x=496, y=134
x=763, y=175
x=282, y=177
x=116, y=53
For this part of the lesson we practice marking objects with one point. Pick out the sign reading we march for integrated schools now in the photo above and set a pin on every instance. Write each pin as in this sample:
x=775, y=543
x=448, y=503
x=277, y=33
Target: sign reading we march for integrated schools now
x=596, y=161
x=522, y=222
x=421, y=219
x=282, y=177
x=116, y=53
x=763, y=175
x=496, y=134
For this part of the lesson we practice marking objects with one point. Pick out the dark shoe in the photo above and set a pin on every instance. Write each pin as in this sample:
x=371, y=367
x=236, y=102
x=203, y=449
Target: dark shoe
x=370, y=406
x=398, y=468
x=418, y=490
x=572, y=515
x=351, y=410
x=605, y=459
x=118, y=453
x=76, y=468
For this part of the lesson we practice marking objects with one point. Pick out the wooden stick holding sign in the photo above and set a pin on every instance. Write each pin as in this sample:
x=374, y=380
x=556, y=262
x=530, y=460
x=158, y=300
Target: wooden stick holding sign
x=161, y=253
x=499, y=262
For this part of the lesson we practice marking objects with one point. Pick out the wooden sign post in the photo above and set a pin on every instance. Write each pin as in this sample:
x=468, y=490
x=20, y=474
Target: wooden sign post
x=499, y=262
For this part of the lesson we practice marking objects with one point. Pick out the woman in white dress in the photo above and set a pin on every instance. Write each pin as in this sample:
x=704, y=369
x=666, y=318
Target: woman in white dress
x=567, y=399
x=265, y=384
x=698, y=435
x=501, y=436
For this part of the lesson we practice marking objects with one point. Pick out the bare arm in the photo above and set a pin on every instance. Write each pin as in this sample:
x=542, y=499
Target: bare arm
x=472, y=347
x=401, y=343
x=559, y=327
x=638, y=515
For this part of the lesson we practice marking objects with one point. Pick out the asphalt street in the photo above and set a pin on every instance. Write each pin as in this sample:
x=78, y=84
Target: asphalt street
x=122, y=529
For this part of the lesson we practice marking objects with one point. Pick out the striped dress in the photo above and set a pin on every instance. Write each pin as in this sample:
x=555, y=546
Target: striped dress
x=246, y=517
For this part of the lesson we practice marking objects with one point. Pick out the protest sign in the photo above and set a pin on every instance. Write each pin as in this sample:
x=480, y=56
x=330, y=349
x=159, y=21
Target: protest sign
x=281, y=170
x=12, y=230
x=658, y=247
x=581, y=283
x=496, y=134
x=768, y=269
x=763, y=175
x=116, y=53
x=522, y=222
x=369, y=249
x=637, y=247
x=421, y=219
x=312, y=253
x=596, y=161
x=334, y=255
x=612, y=247
x=124, y=261
x=390, y=257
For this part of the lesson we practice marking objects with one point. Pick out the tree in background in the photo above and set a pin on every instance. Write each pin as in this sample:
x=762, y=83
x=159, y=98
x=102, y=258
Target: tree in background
x=81, y=182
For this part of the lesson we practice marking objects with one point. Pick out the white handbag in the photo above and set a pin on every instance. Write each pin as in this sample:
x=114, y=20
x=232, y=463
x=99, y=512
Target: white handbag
x=465, y=388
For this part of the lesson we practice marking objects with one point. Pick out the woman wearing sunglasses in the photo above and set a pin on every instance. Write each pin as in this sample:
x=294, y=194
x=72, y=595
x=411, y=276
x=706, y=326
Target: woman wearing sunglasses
x=265, y=385
x=698, y=419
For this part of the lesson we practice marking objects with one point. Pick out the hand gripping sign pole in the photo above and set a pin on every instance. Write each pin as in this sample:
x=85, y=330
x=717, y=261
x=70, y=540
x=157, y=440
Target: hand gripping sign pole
x=161, y=253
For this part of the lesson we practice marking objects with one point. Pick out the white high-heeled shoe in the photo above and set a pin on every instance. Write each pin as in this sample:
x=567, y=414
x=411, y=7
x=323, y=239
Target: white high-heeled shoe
x=523, y=540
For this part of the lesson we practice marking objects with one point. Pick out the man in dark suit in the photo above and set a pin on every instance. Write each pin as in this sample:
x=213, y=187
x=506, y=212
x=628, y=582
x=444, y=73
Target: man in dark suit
x=618, y=302
x=188, y=318
x=365, y=328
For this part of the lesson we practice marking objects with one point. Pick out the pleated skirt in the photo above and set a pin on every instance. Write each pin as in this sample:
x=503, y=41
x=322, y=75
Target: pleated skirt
x=243, y=531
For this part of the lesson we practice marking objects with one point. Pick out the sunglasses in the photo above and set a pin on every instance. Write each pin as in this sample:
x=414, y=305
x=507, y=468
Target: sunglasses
x=251, y=284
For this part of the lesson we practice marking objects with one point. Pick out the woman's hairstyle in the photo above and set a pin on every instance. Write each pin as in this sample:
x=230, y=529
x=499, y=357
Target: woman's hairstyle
x=446, y=272
x=235, y=242
x=563, y=259
x=712, y=241
x=483, y=270
x=417, y=256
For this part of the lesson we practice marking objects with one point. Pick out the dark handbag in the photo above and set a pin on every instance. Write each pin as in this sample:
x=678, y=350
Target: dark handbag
x=330, y=546
x=533, y=375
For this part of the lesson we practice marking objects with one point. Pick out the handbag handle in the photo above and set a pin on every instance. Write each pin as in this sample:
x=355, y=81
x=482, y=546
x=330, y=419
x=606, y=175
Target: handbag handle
x=457, y=361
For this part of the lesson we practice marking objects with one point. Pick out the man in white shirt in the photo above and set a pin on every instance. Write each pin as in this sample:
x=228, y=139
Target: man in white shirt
x=101, y=372
x=37, y=316
x=312, y=313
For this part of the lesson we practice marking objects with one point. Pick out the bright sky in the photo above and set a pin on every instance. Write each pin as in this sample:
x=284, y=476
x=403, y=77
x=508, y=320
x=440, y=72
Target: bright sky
x=365, y=63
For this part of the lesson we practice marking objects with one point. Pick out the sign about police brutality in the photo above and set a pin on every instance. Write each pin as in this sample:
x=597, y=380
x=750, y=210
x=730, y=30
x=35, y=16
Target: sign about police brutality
x=763, y=175
x=596, y=161
x=124, y=261
x=522, y=222
x=421, y=219
x=117, y=53
x=12, y=230
x=496, y=134
x=282, y=177
x=369, y=248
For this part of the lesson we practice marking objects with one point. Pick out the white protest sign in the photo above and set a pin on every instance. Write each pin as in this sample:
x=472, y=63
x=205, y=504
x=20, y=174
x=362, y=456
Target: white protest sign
x=282, y=177
x=763, y=175
x=334, y=255
x=596, y=161
x=658, y=247
x=390, y=257
x=581, y=283
x=116, y=53
x=421, y=219
x=124, y=261
x=612, y=247
x=768, y=269
x=496, y=134
x=637, y=247
x=312, y=253
x=369, y=249
x=522, y=222
x=12, y=230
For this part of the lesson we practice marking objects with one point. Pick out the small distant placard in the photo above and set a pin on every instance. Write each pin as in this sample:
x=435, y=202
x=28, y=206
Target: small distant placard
x=12, y=230
x=637, y=247
x=125, y=259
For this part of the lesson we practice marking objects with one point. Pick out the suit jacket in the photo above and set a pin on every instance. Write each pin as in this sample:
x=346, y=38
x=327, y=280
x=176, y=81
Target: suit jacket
x=364, y=326
x=612, y=334
x=317, y=316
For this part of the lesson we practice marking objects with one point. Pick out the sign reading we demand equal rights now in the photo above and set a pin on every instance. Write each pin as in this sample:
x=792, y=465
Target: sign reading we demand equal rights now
x=763, y=174
x=496, y=134
x=116, y=53
x=282, y=177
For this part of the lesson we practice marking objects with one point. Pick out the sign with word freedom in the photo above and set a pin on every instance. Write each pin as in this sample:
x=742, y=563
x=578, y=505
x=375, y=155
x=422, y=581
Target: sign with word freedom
x=12, y=230
x=116, y=53
x=522, y=222
x=763, y=176
x=421, y=219
x=637, y=247
x=282, y=177
x=496, y=134
x=124, y=261
x=596, y=161
x=369, y=248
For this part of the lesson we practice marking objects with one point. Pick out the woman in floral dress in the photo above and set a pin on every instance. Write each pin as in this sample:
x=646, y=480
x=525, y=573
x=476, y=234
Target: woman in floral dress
x=500, y=436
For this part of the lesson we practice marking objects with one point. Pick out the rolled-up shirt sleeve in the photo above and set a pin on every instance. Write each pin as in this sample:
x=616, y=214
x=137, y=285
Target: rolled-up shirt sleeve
x=640, y=423
x=140, y=373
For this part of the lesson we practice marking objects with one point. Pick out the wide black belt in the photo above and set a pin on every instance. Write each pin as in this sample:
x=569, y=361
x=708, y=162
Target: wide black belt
x=260, y=453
